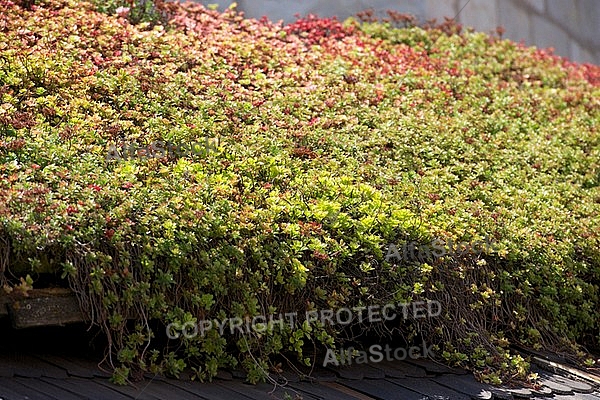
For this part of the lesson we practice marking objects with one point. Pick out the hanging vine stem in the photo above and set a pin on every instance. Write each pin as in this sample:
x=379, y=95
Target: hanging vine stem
x=266, y=373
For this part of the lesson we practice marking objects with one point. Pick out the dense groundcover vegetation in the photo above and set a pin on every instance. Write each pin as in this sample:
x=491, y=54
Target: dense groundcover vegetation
x=328, y=143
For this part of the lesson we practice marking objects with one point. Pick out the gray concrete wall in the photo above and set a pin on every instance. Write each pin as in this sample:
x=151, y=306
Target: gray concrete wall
x=571, y=27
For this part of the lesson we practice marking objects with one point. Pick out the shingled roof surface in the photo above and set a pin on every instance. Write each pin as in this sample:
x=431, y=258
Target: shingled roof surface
x=33, y=365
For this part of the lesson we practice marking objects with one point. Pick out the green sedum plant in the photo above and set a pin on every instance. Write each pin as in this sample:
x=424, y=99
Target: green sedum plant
x=335, y=140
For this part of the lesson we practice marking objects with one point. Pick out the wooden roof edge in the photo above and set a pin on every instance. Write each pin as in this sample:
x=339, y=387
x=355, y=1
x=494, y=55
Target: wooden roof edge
x=41, y=307
x=566, y=370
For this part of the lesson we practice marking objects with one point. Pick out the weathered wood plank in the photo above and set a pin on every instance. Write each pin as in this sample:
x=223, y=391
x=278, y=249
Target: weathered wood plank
x=466, y=384
x=44, y=307
x=80, y=368
x=11, y=389
x=50, y=390
x=428, y=388
x=321, y=391
x=209, y=391
x=28, y=366
x=565, y=369
x=376, y=390
x=87, y=388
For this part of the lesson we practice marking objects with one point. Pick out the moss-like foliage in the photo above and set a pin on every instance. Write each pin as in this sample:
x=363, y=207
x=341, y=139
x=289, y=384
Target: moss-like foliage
x=317, y=146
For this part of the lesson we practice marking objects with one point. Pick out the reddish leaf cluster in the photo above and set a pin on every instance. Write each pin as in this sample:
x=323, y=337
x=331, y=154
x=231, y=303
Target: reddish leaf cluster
x=315, y=30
